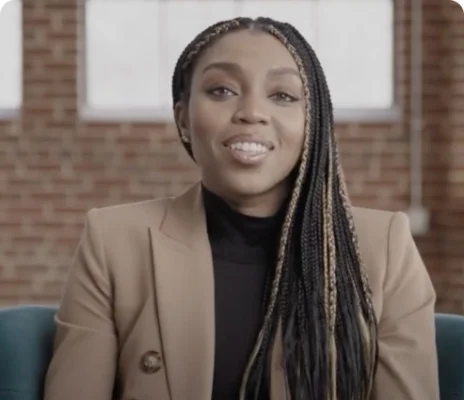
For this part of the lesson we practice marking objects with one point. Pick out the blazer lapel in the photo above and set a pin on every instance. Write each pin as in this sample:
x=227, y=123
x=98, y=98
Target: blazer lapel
x=184, y=285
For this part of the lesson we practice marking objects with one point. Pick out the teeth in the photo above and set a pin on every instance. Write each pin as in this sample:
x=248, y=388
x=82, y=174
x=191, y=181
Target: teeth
x=249, y=147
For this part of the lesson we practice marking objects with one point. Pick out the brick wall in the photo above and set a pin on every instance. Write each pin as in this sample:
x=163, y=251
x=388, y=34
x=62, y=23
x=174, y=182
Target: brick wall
x=54, y=167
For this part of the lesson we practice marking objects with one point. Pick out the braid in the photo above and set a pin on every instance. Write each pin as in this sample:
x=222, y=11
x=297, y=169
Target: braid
x=318, y=293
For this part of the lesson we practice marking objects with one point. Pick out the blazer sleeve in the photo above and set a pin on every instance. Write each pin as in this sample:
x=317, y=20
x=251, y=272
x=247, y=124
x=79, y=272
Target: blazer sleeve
x=407, y=368
x=85, y=348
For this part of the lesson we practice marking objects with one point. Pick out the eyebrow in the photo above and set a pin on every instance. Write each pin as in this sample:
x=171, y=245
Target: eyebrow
x=235, y=68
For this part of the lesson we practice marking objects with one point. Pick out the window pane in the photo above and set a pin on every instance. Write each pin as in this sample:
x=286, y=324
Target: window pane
x=357, y=56
x=122, y=54
x=11, y=56
x=132, y=47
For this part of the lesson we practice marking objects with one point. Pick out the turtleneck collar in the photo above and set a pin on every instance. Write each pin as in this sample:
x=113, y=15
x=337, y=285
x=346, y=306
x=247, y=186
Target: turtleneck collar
x=238, y=237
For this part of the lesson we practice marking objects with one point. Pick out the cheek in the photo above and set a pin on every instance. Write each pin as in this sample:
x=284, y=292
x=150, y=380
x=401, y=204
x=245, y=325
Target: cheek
x=292, y=129
x=205, y=122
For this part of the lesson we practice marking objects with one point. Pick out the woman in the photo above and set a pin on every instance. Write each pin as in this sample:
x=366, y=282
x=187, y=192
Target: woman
x=262, y=281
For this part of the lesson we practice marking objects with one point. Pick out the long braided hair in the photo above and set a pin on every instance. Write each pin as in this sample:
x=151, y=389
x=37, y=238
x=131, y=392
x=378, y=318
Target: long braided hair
x=319, y=295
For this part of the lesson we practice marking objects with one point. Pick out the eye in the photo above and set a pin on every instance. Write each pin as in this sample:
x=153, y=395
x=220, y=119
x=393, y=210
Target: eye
x=283, y=97
x=221, y=91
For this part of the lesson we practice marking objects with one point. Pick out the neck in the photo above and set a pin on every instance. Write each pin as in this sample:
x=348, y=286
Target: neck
x=262, y=205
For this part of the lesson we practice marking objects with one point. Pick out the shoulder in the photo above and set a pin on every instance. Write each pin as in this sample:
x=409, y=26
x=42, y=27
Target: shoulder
x=374, y=228
x=368, y=218
x=130, y=215
x=119, y=236
x=384, y=239
x=121, y=232
x=150, y=213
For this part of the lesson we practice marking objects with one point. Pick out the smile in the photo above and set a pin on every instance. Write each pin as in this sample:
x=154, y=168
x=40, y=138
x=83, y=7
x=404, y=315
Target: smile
x=248, y=152
x=250, y=147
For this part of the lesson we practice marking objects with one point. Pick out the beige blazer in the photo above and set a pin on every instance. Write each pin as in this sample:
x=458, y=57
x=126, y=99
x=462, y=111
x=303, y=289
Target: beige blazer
x=138, y=307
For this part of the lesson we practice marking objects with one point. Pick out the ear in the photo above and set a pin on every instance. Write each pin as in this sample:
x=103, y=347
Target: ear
x=182, y=119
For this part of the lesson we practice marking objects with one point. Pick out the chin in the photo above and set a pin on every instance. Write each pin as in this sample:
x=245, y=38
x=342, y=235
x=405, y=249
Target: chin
x=248, y=186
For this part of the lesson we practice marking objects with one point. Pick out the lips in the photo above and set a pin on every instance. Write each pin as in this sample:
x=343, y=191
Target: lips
x=249, y=147
x=249, y=143
x=248, y=150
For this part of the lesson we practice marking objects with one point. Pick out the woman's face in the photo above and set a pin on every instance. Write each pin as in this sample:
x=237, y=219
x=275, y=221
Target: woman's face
x=245, y=116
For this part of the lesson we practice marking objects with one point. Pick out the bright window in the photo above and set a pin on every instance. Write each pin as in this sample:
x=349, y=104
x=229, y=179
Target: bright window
x=131, y=47
x=10, y=57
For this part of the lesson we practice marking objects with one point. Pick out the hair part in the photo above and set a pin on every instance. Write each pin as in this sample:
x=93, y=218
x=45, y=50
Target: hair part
x=319, y=297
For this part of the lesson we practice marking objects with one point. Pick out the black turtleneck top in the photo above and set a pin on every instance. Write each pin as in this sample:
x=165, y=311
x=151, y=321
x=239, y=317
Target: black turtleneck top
x=244, y=252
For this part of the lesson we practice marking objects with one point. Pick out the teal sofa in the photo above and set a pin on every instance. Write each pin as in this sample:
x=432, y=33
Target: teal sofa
x=450, y=344
x=26, y=341
x=26, y=344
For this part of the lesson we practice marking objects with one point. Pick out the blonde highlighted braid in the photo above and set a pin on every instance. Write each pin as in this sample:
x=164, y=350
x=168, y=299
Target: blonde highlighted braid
x=320, y=294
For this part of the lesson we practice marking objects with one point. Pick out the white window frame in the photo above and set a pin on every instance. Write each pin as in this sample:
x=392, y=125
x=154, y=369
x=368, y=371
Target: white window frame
x=165, y=115
x=9, y=113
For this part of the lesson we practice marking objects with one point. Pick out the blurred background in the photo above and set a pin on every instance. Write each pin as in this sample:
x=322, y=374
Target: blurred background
x=86, y=121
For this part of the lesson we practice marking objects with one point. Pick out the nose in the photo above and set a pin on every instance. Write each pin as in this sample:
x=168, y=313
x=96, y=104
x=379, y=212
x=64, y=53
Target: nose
x=252, y=110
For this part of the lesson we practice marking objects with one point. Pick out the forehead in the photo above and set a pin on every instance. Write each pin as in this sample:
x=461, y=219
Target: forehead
x=250, y=48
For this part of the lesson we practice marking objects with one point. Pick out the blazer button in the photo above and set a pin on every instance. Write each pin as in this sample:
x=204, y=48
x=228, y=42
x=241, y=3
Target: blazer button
x=151, y=362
